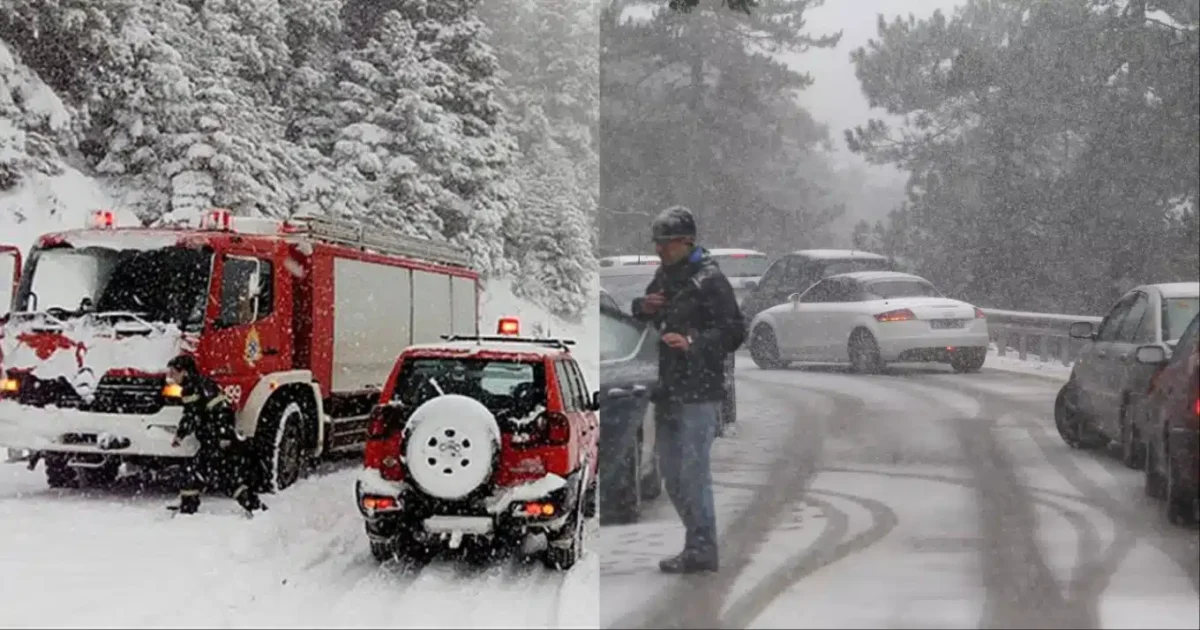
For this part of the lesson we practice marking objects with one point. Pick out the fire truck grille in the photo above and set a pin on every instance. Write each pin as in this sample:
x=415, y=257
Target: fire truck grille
x=114, y=394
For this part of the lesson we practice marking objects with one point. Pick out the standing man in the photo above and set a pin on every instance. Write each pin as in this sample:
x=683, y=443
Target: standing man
x=225, y=459
x=694, y=309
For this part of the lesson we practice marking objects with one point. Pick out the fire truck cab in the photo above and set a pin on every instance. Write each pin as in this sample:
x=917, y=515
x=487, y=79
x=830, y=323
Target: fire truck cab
x=298, y=321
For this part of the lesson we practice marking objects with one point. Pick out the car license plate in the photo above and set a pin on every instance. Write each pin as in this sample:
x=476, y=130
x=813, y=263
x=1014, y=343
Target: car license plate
x=940, y=324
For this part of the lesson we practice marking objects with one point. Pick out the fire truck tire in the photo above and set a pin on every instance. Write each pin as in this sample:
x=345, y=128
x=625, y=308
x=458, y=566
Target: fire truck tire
x=61, y=475
x=451, y=446
x=280, y=443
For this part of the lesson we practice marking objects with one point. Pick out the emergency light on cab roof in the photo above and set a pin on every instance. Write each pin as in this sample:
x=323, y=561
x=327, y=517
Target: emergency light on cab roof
x=509, y=326
x=217, y=219
x=102, y=219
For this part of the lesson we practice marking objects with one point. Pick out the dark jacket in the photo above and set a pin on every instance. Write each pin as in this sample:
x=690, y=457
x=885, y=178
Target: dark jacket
x=206, y=413
x=700, y=304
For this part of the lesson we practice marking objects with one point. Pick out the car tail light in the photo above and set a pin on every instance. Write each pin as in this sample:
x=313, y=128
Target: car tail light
x=898, y=315
x=979, y=314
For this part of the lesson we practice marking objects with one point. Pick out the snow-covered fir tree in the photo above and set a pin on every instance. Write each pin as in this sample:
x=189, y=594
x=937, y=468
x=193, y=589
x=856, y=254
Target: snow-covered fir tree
x=390, y=112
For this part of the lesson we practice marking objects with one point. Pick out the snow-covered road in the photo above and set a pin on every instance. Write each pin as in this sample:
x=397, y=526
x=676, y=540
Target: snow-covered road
x=116, y=558
x=915, y=498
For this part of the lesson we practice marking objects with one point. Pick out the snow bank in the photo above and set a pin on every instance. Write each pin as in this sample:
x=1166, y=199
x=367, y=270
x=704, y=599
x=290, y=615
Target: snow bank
x=1034, y=367
x=499, y=301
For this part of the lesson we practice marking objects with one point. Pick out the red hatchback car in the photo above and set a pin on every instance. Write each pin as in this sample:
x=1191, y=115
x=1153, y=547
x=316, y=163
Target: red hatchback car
x=1171, y=426
x=485, y=441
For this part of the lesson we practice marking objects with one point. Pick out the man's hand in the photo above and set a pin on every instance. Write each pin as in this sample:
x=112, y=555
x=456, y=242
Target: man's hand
x=175, y=443
x=652, y=302
x=677, y=341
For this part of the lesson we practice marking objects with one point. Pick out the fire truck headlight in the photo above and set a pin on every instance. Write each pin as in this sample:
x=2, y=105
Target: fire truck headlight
x=9, y=386
x=172, y=390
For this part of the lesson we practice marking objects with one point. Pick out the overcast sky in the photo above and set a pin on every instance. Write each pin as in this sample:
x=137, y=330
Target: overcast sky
x=835, y=97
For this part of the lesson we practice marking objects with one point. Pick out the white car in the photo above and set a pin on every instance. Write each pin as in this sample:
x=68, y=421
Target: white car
x=742, y=267
x=870, y=318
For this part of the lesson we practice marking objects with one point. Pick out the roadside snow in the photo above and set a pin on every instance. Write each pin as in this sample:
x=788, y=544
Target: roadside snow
x=1033, y=366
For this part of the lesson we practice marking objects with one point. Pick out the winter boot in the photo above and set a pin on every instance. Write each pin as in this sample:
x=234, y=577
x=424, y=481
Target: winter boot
x=189, y=502
x=689, y=562
x=248, y=499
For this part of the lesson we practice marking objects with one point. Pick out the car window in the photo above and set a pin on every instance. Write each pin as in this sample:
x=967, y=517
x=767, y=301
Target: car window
x=843, y=290
x=240, y=278
x=797, y=275
x=1133, y=318
x=618, y=338
x=502, y=384
x=1176, y=314
x=742, y=265
x=566, y=386
x=1189, y=342
x=888, y=289
x=819, y=293
x=834, y=267
x=772, y=279
x=1112, y=322
x=624, y=288
x=607, y=300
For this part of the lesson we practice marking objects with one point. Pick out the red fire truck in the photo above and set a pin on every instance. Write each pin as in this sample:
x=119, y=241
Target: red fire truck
x=299, y=321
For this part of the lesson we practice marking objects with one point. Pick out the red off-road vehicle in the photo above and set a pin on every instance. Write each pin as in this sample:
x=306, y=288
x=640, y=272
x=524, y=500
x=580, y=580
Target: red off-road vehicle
x=483, y=440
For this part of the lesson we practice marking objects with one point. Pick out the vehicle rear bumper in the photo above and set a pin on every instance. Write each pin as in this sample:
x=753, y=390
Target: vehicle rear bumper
x=502, y=512
x=54, y=430
x=929, y=345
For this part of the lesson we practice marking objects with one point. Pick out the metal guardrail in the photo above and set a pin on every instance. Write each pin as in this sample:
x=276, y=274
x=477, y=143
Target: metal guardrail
x=1045, y=332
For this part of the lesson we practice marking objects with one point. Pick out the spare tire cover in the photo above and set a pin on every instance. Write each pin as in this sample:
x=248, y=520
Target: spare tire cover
x=451, y=443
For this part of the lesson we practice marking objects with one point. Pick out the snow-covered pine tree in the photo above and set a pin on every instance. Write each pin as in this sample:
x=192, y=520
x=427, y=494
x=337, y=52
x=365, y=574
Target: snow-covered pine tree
x=35, y=126
x=549, y=60
x=421, y=129
x=195, y=126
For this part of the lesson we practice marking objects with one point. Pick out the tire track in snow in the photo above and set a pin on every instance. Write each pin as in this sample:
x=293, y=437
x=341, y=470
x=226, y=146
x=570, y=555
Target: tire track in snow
x=695, y=601
x=830, y=547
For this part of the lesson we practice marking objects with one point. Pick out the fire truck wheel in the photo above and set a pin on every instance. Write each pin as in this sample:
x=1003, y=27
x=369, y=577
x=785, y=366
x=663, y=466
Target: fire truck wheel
x=451, y=446
x=280, y=443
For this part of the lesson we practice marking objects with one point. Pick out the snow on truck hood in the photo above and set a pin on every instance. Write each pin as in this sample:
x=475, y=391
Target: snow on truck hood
x=83, y=350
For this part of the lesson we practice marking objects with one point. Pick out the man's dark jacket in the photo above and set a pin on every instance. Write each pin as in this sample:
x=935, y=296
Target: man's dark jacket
x=701, y=305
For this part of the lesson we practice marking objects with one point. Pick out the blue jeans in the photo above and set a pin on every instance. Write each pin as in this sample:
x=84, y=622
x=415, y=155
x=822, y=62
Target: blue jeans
x=683, y=438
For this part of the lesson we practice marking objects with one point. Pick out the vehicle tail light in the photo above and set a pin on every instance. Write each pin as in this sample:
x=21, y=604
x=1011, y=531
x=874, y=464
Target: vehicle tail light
x=979, y=314
x=551, y=428
x=898, y=315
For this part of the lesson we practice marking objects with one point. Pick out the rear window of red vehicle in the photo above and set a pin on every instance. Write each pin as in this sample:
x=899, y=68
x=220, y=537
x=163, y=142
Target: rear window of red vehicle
x=498, y=384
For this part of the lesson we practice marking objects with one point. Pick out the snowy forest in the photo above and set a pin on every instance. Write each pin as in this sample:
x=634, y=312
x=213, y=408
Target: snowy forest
x=1053, y=146
x=458, y=119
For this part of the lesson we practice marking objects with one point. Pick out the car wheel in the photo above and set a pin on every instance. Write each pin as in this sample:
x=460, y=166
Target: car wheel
x=1072, y=425
x=564, y=549
x=622, y=494
x=1180, y=501
x=1133, y=448
x=280, y=444
x=968, y=360
x=764, y=349
x=864, y=353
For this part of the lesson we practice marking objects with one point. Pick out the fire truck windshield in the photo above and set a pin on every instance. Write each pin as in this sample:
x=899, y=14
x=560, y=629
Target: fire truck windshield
x=166, y=285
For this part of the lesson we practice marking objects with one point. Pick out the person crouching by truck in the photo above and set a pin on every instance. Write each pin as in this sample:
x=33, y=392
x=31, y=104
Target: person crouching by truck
x=225, y=460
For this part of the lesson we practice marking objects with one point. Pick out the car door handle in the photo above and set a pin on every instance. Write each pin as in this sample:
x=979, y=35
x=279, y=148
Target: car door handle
x=1124, y=357
x=1101, y=353
x=640, y=390
x=270, y=352
x=617, y=393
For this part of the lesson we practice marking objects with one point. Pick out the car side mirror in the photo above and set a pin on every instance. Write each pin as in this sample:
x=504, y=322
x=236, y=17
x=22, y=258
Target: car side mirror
x=1151, y=355
x=595, y=401
x=794, y=298
x=1082, y=330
